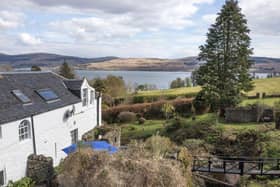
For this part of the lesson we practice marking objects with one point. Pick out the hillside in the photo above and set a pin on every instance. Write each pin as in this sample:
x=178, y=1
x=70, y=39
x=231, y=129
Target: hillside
x=262, y=64
x=45, y=59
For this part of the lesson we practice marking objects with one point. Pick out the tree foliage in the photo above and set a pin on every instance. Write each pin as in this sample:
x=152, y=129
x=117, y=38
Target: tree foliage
x=111, y=85
x=226, y=72
x=35, y=68
x=66, y=71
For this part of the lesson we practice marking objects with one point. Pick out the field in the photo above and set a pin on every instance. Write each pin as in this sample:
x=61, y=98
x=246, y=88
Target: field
x=269, y=86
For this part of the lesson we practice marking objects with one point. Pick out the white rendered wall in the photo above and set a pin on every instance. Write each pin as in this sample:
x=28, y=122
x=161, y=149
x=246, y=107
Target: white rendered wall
x=14, y=153
x=52, y=134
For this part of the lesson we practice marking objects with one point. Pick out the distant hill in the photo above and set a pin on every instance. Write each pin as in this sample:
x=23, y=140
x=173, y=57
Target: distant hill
x=46, y=59
x=262, y=64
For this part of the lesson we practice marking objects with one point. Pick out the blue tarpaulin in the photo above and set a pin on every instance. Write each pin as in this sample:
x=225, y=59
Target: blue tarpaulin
x=95, y=145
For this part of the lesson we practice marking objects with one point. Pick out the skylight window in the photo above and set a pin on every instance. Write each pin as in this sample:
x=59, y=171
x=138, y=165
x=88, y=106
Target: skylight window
x=21, y=96
x=47, y=94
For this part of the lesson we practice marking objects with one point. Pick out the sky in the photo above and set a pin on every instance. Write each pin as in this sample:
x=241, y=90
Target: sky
x=127, y=28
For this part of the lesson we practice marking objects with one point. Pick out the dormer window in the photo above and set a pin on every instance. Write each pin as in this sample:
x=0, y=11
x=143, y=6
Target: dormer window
x=85, y=97
x=48, y=95
x=21, y=96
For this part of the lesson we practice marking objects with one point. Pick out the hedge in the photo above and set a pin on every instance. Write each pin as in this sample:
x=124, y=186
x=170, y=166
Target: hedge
x=148, y=110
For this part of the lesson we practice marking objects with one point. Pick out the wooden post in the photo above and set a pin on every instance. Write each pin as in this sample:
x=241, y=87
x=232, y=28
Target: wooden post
x=241, y=167
x=278, y=164
x=224, y=166
x=262, y=167
x=209, y=164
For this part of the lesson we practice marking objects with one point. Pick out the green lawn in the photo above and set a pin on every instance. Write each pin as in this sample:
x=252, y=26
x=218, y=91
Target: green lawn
x=141, y=131
x=151, y=127
x=269, y=86
x=266, y=101
x=170, y=92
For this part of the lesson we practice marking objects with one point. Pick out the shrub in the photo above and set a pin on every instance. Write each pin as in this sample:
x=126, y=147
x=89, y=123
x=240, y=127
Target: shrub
x=148, y=110
x=159, y=146
x=126, y=117
x=24, y=182
x=141, y=120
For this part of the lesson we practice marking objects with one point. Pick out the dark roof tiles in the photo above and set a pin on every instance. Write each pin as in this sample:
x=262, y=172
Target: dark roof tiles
x=12, y=109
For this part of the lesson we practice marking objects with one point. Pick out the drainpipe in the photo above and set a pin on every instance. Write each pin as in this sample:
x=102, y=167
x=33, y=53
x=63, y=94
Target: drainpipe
x=33, y=135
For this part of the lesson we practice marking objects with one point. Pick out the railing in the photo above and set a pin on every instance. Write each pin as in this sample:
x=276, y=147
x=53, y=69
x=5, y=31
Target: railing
x=237, y=165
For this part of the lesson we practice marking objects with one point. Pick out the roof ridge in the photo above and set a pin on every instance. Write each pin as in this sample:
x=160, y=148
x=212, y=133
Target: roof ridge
x=23, y=72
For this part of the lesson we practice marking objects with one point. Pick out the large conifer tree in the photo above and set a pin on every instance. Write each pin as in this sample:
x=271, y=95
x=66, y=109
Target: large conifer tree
x=66, y=71
x=226, y=52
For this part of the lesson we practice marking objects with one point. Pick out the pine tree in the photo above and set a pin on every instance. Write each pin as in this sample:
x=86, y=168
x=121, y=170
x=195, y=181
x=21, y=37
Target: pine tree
x=35, y=68
x=226, y=52
x=66, y=71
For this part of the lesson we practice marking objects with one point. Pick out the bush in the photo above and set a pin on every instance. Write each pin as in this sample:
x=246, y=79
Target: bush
x=126, y=117
x=24, y=182
x=148, y=110
x=141, y=120
x=159, y=146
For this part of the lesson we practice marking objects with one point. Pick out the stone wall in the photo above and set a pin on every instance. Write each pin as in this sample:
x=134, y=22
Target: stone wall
x=241, y=115
x=40, y=168
x=249, y=114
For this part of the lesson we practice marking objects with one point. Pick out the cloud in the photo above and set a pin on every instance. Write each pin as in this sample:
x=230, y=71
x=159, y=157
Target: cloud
x=209, y=18
x=150, y=14
x=27, y=39
x=10, y=20
x=263, y=16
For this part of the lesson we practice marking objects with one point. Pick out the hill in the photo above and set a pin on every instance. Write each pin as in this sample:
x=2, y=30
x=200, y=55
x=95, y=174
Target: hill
x=262, y=64
x=45, y=59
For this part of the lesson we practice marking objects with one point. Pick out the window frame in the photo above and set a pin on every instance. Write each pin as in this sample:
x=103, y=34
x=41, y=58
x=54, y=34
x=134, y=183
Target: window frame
x=24, y=130
x=92, y=97
x=2, y=176
x=85, y=96
x=21, y=96
x=43, y=96
x=74, y=136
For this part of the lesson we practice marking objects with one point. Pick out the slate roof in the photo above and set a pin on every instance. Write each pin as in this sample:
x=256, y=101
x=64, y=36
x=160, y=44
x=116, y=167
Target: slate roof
x=12, y=109
x=74, y=86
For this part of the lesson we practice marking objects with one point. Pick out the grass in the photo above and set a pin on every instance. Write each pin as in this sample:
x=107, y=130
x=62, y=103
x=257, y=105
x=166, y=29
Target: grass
x=170, y=92
x=141, y=131
x=266, y=101
x=151, y=127
x=269, y=86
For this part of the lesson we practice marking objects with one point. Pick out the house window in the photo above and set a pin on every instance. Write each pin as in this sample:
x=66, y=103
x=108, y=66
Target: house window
x=85, y=96
x=24, y=130
x=21, y=96
x=74, y=136
x=91, y=96
x=2, y=182
x=47, y=94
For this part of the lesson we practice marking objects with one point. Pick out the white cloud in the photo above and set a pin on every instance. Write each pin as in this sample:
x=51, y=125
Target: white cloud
x=209, y=18
x=10, y=20
x=27, y=39
x=263, y=16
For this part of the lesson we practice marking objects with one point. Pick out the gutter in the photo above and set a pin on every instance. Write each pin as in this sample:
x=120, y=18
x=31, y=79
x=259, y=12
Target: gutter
x=33, y=135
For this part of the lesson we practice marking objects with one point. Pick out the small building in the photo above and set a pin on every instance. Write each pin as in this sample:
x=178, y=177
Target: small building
x=42, y=113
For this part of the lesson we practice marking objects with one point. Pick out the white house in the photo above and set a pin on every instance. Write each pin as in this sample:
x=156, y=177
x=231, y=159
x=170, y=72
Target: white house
x=42, y=113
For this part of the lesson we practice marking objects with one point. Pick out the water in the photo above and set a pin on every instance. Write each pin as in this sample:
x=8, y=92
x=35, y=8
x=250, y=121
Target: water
x=161, y=79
